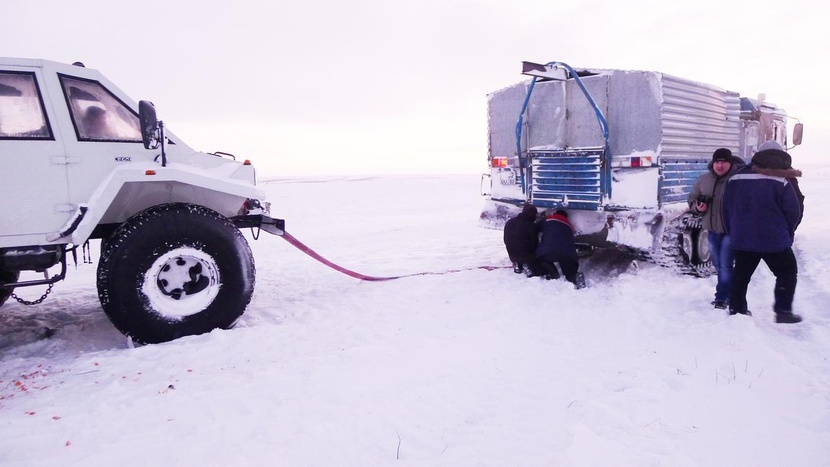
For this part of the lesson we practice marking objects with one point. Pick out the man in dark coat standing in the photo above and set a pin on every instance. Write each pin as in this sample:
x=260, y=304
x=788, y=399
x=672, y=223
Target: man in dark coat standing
x=521, y=237
x=761, y=211
x=557, y=246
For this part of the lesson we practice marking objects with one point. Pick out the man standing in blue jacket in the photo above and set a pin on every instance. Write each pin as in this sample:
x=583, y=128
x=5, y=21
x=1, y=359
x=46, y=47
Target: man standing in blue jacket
x=761, y=211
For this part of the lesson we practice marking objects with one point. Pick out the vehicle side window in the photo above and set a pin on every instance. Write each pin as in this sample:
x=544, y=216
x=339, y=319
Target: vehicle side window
x=97, y=114
x=21, y=108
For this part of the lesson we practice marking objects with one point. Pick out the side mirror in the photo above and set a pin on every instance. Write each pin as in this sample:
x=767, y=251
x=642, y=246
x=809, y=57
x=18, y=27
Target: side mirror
x=798, y=133
x=149, y=125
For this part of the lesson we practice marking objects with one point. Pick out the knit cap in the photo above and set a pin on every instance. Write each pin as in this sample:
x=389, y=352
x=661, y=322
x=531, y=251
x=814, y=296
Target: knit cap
x=722, y=154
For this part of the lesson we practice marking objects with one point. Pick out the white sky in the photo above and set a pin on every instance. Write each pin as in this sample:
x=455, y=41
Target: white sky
x=390, y=86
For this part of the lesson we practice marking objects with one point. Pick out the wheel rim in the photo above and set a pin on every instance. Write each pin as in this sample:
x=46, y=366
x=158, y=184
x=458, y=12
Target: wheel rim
x=181, y=282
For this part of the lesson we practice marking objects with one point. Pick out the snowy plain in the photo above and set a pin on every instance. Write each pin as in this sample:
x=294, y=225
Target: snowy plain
x=470, y=368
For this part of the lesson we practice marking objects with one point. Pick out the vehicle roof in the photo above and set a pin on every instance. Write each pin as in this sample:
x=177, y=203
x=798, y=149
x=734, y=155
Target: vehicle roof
x=40, y=63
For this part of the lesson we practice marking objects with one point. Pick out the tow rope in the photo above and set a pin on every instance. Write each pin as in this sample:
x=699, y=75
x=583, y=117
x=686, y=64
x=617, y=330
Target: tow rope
x=305, y=249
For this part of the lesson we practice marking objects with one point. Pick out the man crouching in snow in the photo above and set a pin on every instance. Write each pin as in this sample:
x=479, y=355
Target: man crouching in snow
x=558, y=246
x=521, y=236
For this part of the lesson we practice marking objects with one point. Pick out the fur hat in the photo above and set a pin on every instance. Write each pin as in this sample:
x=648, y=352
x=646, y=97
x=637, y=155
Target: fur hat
x=770, y=155
x=770, y=145
x=722, y=154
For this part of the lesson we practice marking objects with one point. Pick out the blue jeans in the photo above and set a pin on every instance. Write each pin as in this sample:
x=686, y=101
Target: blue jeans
x=723, y=258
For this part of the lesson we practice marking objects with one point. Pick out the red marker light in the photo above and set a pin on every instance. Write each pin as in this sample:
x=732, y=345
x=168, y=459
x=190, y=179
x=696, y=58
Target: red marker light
x=150, y=172
x=247, y=162
x=499, y=162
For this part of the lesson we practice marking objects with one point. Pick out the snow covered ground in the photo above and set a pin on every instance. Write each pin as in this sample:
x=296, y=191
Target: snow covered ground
x=474, y=367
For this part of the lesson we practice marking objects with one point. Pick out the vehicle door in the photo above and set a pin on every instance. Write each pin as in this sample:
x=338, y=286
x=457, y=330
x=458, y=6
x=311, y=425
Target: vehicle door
x=106, y=133
x=34, y=195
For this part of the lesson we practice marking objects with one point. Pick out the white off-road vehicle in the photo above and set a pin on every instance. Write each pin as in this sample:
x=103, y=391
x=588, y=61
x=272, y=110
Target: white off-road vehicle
x=81, y=160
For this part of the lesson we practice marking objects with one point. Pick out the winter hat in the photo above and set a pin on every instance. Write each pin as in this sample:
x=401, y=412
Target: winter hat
x=94, y=111
x=770, y=145
x=529, y=210
x=722, y=154
x=771, y=155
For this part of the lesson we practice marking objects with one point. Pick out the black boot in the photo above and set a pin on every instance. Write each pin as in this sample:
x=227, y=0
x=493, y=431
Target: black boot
x=720, y=304
x=579, y=283
x=733, y=311
x=787, y=317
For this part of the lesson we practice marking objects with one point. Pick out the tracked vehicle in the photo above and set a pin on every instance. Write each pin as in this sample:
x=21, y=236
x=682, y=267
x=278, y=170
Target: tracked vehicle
x=620, y=151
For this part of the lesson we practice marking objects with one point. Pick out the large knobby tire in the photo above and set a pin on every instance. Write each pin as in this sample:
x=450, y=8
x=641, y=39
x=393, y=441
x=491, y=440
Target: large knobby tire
x=7, y=277
x=687, y=245
x=702, y=254
x=175, y=270
x=694, y=249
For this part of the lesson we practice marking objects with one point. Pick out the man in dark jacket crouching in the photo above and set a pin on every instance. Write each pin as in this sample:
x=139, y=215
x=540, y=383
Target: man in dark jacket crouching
x=761, y=210
x=521, y=236
x=558, y=246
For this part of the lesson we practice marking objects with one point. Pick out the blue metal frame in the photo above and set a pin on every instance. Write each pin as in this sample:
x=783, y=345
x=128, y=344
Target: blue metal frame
x=605, y=181
x=567, y=179
x=677, y=177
